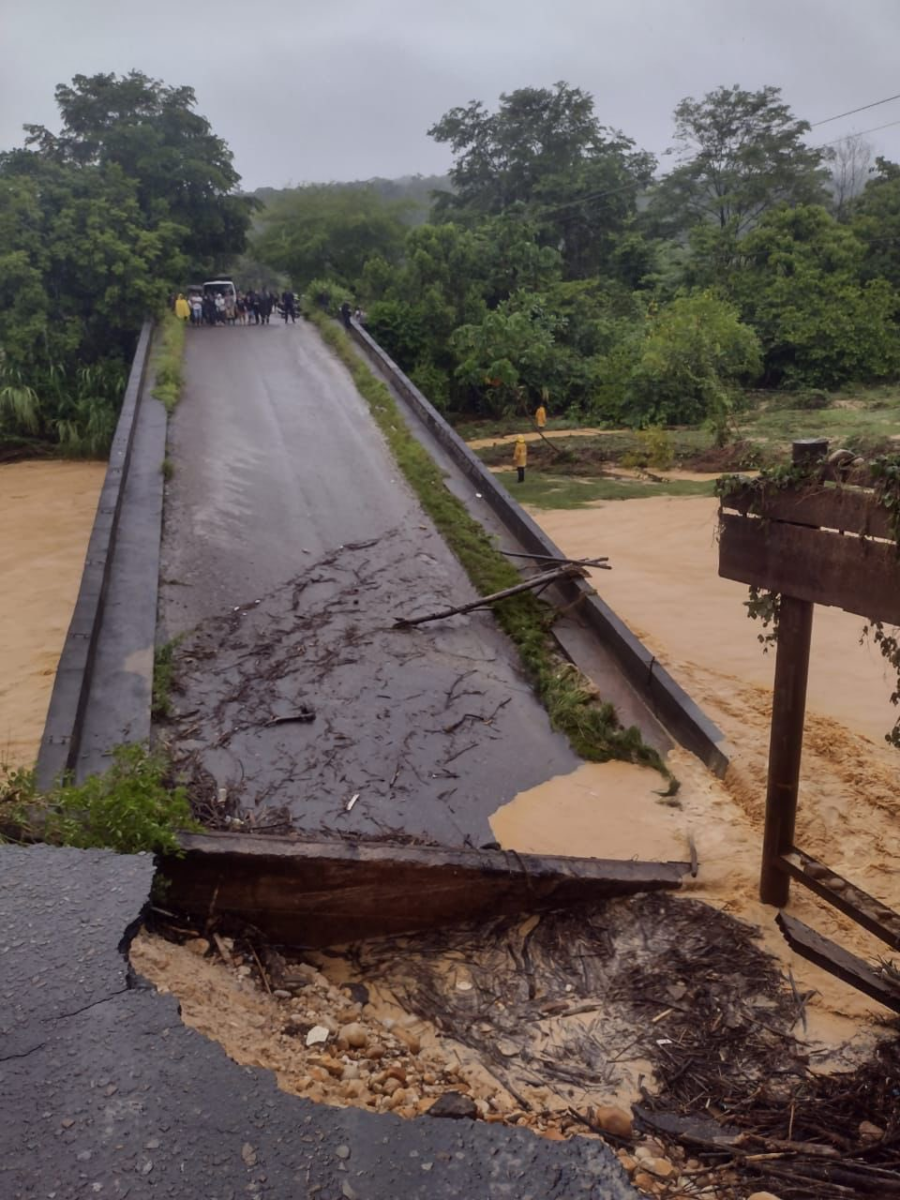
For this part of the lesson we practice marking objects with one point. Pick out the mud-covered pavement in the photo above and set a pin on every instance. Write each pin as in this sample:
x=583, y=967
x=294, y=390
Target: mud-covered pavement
x=291, y=546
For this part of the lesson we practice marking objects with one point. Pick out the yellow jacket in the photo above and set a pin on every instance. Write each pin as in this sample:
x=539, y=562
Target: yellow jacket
x=520, y=453
x=540, y=416
x=182, y=308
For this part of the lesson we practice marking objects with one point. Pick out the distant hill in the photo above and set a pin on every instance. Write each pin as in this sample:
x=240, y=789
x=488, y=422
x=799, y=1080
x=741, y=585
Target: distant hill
x=417, y=189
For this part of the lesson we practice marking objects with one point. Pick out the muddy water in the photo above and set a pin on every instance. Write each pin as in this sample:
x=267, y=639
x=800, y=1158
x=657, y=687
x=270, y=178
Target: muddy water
x=48, y=510
x=664, y=583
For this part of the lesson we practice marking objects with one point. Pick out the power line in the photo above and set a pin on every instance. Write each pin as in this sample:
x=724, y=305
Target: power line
x=860, y=133
x=851, y=111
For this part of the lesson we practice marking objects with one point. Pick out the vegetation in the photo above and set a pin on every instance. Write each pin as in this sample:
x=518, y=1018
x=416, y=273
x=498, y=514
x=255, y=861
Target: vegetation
x=549, y=491
x=167, y=361
x=98, y=224
x=591, y=726
x=129, y=808
x=163, y=676
x=557, y=261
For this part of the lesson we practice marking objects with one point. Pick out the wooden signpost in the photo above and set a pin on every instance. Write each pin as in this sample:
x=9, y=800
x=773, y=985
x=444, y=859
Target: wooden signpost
x=821, y=542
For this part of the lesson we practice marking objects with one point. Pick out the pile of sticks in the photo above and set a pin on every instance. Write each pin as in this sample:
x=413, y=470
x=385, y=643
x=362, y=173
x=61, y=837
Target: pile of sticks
x=554, y=569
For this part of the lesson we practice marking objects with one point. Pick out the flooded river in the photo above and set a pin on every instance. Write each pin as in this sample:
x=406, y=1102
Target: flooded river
x=665, y=584
x=48, y=510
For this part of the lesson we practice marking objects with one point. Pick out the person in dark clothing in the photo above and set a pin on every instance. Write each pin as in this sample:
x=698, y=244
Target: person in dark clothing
x=209, y=308
x=288, y=308
x=265, y=306
x=346, y=313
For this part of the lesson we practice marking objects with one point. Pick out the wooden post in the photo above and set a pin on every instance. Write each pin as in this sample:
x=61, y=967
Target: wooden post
x=785, y=745
x=788, y=713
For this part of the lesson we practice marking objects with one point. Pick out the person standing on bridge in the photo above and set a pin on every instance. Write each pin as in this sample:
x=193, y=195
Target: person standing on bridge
x=520, y=457
x=182, y=308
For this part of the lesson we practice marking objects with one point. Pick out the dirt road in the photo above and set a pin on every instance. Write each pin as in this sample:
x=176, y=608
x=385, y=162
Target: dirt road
x=291, y=543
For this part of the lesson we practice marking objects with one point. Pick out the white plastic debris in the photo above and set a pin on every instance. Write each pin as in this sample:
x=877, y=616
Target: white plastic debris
x=317, y=1035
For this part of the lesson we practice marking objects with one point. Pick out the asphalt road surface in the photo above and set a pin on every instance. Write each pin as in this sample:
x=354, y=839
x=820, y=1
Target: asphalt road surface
x=291, y=543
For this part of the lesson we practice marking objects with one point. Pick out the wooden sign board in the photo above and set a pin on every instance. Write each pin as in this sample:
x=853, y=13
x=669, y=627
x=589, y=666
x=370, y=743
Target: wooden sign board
x=833, y=546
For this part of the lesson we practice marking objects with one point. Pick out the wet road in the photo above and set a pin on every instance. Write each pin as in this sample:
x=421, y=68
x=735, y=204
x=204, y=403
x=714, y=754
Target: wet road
x=290, y=545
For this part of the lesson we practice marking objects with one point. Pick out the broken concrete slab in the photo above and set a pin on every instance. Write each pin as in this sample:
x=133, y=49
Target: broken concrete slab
x=324, y=893
x=106, y=1092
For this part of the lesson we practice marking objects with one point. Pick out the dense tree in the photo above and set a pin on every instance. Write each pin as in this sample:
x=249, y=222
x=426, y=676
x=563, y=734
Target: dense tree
x=876, y=221
x=799, y=284
x=98, y=223
x=183, y=172
x=325, y=231
x=546, y=149
x=742, y=153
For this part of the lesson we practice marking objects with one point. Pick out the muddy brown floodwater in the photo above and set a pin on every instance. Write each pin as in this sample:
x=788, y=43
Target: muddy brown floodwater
x=665, y=584
x=48, y=510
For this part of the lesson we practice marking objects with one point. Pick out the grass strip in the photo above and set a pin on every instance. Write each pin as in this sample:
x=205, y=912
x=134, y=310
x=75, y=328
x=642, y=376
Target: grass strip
x=167, y=361
x=571, y=701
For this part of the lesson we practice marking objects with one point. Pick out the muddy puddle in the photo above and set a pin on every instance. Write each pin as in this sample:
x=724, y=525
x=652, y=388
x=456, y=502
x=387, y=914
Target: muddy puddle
x=48, y=511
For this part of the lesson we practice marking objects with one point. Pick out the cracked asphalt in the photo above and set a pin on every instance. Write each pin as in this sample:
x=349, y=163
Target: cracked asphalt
x=291, y=544
x=105, y=1093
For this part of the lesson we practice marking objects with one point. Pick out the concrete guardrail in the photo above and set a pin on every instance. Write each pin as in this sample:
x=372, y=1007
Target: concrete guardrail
x=65, y=718
x=665, y=698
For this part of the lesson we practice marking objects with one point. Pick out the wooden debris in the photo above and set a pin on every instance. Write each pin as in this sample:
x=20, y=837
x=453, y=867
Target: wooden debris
x=568, y=570
x=833, y=958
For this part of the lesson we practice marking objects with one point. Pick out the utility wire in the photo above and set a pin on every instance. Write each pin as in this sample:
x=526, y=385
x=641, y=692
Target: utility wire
x=851, y=111
x=860, y=133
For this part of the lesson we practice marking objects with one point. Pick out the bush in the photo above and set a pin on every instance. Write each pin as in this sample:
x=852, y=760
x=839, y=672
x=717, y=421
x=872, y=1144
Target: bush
x=692, y=355
x=327, y=294
x=654, y=449
x=129, y=808
x=167, y=361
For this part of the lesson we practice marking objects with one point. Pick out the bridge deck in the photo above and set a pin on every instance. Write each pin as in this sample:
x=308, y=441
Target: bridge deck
x=291, y=542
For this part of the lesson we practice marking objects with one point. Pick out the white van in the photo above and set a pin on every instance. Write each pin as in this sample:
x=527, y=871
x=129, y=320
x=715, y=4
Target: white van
x=224, y=287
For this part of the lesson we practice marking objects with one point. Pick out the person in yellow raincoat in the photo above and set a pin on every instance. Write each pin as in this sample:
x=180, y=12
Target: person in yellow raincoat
x=182, y=308
x=520, y=457
x=540, y=416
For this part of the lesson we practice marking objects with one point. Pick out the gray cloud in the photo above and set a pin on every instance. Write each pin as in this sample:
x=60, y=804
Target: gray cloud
x=307, y=90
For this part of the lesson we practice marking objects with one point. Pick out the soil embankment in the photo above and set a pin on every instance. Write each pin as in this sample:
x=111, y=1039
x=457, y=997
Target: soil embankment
x=48, y=510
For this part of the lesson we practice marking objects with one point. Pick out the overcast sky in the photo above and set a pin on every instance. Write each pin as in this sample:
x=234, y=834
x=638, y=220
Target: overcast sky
x=308, y=90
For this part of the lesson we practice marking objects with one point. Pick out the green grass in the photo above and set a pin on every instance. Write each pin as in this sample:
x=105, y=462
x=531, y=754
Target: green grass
x=167, y=361
x=543, y=490
x=163, y=678
x=128, y=808
x=862, y=420
x=570, y=700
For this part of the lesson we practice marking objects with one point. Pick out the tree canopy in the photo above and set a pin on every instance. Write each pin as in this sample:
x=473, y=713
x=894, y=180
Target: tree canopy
x=98, y=224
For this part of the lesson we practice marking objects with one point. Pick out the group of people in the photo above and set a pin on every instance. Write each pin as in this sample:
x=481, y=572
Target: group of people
x=238, y=308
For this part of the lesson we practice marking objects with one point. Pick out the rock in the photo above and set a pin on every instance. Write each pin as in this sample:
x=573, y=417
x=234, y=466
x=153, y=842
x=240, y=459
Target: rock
x=661, y=1167
x=244, y=971
x=198, y=946
x=281, y=994
x=763, y=1196
x=869, y=1132
x=645, y=1182
x=319, y=1074
x=317, y=1035
x=614, y=1120
x=453, y=1105
x=391, y=1085
x=343, y=1151
x=248, y=1154
x=375, y=1051
x=507, y=1048
x=349, y=1193
x=410, y=1039
x=350, y=1071
x=629, y=1164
